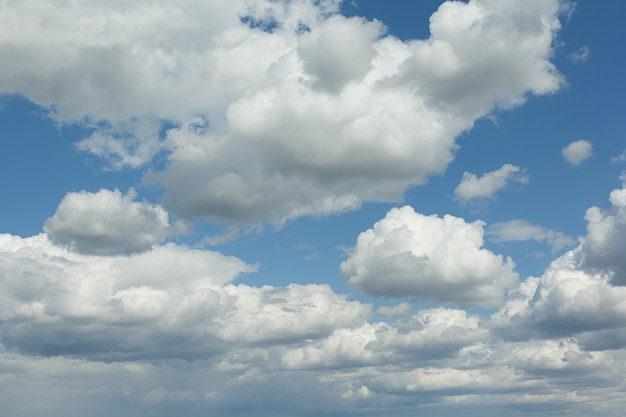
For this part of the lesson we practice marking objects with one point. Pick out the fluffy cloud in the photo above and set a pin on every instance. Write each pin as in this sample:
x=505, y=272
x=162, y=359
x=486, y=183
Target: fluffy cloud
x=472, y=187
x=171, y=301
x=581, y=293
x=428, y=257
x=107, y=223
x=240, y=82
x=519, y=230
x=564, y=301
x=88, y=322
x=603, y=248
x=577, y=151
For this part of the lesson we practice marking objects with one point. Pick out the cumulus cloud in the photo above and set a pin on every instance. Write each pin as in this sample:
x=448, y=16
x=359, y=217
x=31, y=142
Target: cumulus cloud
x=485, y=186
x=602, y=249
x=108, y=223
x=519, y=230
x=582, y=292
x=428, y=257
x=577, y=151
x=259, y=107
x=564, y=301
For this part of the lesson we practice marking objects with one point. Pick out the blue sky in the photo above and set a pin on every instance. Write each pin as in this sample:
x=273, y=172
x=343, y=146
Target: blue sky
x=294, y=208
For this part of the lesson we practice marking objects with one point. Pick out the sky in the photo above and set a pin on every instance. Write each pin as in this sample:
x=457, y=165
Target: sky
x=312, y=208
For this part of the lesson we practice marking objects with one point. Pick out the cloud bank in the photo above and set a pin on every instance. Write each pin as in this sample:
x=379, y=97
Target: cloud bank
x=172, y=324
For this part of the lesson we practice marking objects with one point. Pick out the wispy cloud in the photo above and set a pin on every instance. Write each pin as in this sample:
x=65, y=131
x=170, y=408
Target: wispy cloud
x=519, y=230
x=579, y=56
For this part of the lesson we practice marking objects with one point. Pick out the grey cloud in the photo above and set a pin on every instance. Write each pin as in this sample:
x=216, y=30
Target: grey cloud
x=602, y=249
x=107, y=223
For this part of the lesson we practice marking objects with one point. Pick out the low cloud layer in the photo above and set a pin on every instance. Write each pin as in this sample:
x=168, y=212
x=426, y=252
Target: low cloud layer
x=174, y=327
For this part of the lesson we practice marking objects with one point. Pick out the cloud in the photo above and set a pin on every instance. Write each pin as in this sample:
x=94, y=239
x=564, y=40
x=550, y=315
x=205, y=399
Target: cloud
x=168, y=302
x=582, y=292
x=219, y=91
x=619, y=158
x=108, y=223
x=171, y=324
x=519, y=230
x=398, y=310
x=408, y=254
x=579, y=56
x=577, y=151
x=473, y=187
x=602, y=249
x=565, y=301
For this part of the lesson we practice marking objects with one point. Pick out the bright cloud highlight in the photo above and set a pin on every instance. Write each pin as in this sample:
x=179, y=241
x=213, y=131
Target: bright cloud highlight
x=428, y=257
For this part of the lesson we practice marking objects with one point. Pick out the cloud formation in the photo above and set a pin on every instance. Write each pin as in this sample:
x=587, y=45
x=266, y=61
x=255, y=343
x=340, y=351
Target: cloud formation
x=408, y=254
x=84, y=321
x=239, y=81
x=108, y=223
x=577, y=151
x=474, y=187
x=581, y=293
x=603, y=247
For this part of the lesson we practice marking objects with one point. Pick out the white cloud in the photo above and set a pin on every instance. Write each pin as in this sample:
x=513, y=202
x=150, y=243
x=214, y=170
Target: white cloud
x=473, y=187
x=519, y=230
x=582, y=292
x=579, y=56
x=268, y=122
x=564, y=301
x=169, y=302
x=107, y=223
x=428, y=257
x=577, y=151
x=88, y=322
x=602, y=249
